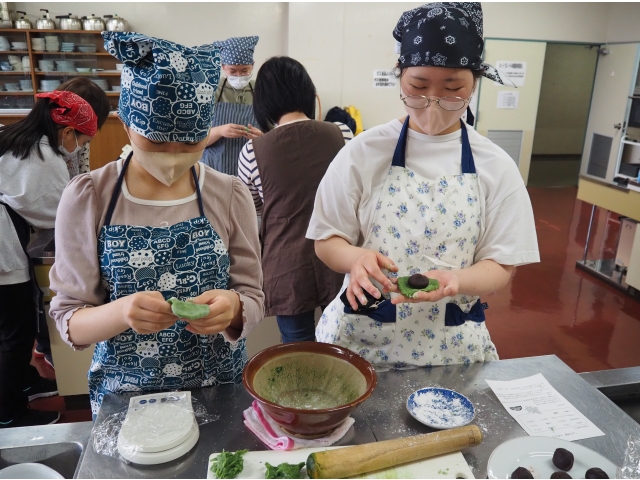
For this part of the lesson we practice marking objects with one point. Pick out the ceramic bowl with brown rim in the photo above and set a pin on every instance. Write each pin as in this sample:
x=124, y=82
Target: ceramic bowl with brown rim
x=309, y=388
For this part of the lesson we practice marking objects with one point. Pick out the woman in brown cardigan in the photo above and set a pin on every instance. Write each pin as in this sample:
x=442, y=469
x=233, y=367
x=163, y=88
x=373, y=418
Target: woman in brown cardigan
x=283, y=169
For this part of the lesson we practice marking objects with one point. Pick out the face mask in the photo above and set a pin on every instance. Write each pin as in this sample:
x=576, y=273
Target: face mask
x=239, y=82
x=433, y=119
x=67, y=153
x=163, y=166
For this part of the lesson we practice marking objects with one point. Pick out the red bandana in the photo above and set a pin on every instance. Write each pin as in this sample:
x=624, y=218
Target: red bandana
x=74, y=111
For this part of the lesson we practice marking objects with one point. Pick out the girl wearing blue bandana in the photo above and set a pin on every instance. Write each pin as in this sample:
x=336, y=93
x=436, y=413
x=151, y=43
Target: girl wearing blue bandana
x=158, y=225
x=423, y=194
x=233, y=123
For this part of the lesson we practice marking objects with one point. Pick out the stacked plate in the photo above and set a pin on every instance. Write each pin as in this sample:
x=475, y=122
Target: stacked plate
x=49, y=85
x=16, y=63
x=101, y=82
x=4, y=44
x=68, y=47
x=37, y=44
x=26, y=85
x=87, y=48
x=52, y=44
x=18, y=45
x=65, y=65
x=46, y=65
x=12, y=87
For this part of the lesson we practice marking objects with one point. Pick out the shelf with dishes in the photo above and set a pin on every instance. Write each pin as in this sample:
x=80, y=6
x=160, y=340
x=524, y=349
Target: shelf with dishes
x=47, y=58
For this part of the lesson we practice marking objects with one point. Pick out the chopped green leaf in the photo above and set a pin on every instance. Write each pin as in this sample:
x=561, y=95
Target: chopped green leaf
x=227, y=464
x=407, y=291
x=188, y=310
x=284, y=470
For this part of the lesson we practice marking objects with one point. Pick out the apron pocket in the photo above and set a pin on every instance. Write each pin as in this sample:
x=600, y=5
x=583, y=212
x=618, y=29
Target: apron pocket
x=365, y=332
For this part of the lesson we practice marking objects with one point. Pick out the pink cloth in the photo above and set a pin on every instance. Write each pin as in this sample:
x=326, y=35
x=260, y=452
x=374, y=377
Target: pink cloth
x=268, y=431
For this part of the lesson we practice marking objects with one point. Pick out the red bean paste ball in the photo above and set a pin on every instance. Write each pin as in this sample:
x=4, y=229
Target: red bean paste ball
x=595, y=473
x=418, y=281
x=560, y=475
x=563, y=459
x=521, y=472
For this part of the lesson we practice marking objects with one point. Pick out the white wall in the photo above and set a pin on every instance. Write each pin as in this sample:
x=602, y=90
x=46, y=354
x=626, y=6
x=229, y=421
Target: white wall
x=188, y=23
x=342, y=43
x=565, y=96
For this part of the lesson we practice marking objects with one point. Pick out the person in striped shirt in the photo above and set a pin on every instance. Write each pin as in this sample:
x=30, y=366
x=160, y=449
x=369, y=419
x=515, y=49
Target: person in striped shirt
x=283, y=169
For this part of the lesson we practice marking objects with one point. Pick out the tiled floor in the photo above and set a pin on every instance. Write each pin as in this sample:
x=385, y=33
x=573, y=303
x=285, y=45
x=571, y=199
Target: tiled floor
x=548, y=308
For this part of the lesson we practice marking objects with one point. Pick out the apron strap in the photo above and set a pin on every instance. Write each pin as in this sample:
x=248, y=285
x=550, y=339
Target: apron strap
x=195, y=179
x=468, y=165
x=118, y=188
x=116, y=191
x=401, y=146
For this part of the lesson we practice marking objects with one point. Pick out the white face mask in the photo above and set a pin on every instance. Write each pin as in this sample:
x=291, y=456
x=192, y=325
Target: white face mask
x=239, y=82
x=67, y=153
x=165, y=167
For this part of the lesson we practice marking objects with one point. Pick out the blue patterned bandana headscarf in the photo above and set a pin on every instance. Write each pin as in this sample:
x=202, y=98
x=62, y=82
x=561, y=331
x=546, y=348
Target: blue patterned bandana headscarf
x=443, y=35
x=167, y=89
x=237, y=50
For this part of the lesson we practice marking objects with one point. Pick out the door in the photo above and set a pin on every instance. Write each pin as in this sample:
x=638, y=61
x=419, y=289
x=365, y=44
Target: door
x=512, y=128
x=615, y=79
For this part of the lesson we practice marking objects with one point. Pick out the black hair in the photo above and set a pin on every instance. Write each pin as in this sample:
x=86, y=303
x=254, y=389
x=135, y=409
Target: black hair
x=92, y=93
x=23, y=136
x=282, y=86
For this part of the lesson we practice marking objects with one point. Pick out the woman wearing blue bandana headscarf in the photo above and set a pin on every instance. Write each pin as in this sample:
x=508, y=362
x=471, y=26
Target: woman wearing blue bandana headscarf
x=423, y=194
x=233, y=121
x=157, y=225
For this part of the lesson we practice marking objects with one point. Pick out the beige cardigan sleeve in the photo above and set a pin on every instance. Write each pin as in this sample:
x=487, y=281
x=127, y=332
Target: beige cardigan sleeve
x=245, y=272
x=75, y=275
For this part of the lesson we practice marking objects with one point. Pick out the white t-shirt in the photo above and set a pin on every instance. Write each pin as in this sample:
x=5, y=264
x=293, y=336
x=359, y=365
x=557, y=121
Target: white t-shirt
x=348, y=194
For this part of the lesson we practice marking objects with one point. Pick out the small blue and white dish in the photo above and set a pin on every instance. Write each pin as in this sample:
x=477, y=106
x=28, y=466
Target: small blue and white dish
x=440, y=408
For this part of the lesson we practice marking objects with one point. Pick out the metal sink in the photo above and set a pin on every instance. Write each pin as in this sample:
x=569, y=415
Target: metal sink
x=62, y=457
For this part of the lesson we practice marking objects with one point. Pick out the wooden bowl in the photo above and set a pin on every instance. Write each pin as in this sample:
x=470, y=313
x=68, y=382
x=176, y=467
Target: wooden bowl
x=309, y=388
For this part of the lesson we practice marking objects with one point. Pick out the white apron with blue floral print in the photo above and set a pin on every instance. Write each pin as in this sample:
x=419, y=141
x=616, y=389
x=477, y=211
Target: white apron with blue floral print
x=421, y=225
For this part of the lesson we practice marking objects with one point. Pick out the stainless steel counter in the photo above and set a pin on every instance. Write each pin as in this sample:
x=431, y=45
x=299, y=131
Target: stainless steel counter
x=386, y=411
x=381, y=417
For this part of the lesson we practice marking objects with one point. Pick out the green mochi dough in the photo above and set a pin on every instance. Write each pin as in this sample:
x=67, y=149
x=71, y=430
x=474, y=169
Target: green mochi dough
x=188, y=310
x=407, y=291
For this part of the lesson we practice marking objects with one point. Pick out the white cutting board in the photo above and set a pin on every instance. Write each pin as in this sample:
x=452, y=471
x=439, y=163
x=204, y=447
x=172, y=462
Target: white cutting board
x=451, y=465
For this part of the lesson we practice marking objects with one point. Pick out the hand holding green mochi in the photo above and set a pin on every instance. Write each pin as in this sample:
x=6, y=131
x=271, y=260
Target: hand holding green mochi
x=188, y=310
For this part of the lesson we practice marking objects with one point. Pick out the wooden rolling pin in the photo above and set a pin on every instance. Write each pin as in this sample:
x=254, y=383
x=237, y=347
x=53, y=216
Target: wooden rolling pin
x=370, y=457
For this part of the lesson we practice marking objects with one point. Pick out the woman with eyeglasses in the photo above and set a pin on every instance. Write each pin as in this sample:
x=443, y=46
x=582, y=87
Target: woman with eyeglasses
x=423, y=194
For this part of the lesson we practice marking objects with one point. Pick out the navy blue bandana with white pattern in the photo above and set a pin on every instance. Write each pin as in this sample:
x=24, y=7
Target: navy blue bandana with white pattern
x=443, y=34
x=237, y=50
x=167, y=89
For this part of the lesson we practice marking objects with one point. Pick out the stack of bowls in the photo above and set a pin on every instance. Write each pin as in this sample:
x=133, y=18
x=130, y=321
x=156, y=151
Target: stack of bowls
x=37, y=44
x=4, y=44
x=16, y=63
x=101, y=82
x=68, y=47
x=52, y=44
x=116, y=88
x=86, y=48
x=12, y=87
x=20, y=46
x=49, y=85
x=25, y=85
x=5, y=66
x=65, y=65
x=26, y=63
x=46, y=65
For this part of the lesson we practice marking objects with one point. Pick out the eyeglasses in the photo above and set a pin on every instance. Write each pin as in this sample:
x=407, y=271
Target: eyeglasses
x=445, y=103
